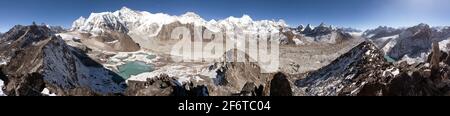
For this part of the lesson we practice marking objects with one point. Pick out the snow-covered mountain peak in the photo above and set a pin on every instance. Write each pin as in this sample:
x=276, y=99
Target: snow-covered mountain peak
x=150, y=24
x=212, y=21
x=125, y=10
x=245, y=19
x=81, y=18
x=423, y=25
x=101, y=22
x=191, y=15
x=78, y=23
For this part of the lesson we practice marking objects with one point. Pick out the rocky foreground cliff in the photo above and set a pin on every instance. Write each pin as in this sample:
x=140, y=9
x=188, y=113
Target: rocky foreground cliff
x=365, y=72
x=35, y=59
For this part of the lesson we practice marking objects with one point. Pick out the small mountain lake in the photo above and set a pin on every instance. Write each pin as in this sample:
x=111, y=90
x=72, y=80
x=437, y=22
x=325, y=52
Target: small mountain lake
x=388, y=58
x=134, y=68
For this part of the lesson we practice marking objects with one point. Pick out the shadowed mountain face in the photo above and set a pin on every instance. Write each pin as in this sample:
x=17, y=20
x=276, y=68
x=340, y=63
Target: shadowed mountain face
x=413, y=42
x=37, y=59
x=364, y=72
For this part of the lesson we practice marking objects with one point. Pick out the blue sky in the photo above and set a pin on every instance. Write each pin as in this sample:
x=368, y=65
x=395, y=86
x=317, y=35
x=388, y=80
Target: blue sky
x=360, y=14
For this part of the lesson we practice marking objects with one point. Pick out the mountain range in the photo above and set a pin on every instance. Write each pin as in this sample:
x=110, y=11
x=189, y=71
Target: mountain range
x=413, y=43
x=127, y=52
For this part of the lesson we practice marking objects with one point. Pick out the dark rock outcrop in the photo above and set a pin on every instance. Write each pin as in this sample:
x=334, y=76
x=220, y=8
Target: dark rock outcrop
x=446, y=60
x=443, y=56
x=25, y=85
x=237, y=75
x=307, y=29
x=300, y=28
x=234, y=73
x=280, y=85
x=435, y=58
x=164, y=85
x=250, y=89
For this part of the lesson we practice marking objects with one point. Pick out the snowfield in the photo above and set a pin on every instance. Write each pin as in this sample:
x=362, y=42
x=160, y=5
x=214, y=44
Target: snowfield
x=47, y=92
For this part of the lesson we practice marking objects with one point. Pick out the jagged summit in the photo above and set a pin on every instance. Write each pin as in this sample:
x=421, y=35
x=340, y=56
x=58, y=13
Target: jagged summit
x=243, y=18
x=322, y=29
x=307, y=29
x=191, y=15
x=30, y=34
x=125, y=9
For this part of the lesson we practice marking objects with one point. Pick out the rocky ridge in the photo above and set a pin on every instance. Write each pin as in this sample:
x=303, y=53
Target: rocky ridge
x=35, y=59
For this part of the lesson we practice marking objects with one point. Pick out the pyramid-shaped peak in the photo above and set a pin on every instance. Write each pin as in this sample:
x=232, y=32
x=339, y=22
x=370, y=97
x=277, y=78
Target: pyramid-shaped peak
x=124, y=8
x=246, y=17
x=191, y=14
x=81, y=18
x=423, y=25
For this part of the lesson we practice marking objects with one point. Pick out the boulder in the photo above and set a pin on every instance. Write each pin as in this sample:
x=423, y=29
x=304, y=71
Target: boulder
x=280, y=85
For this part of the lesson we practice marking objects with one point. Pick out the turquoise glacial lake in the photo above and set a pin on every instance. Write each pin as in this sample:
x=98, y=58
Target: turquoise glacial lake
x=388, y=58
x=134, y=68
